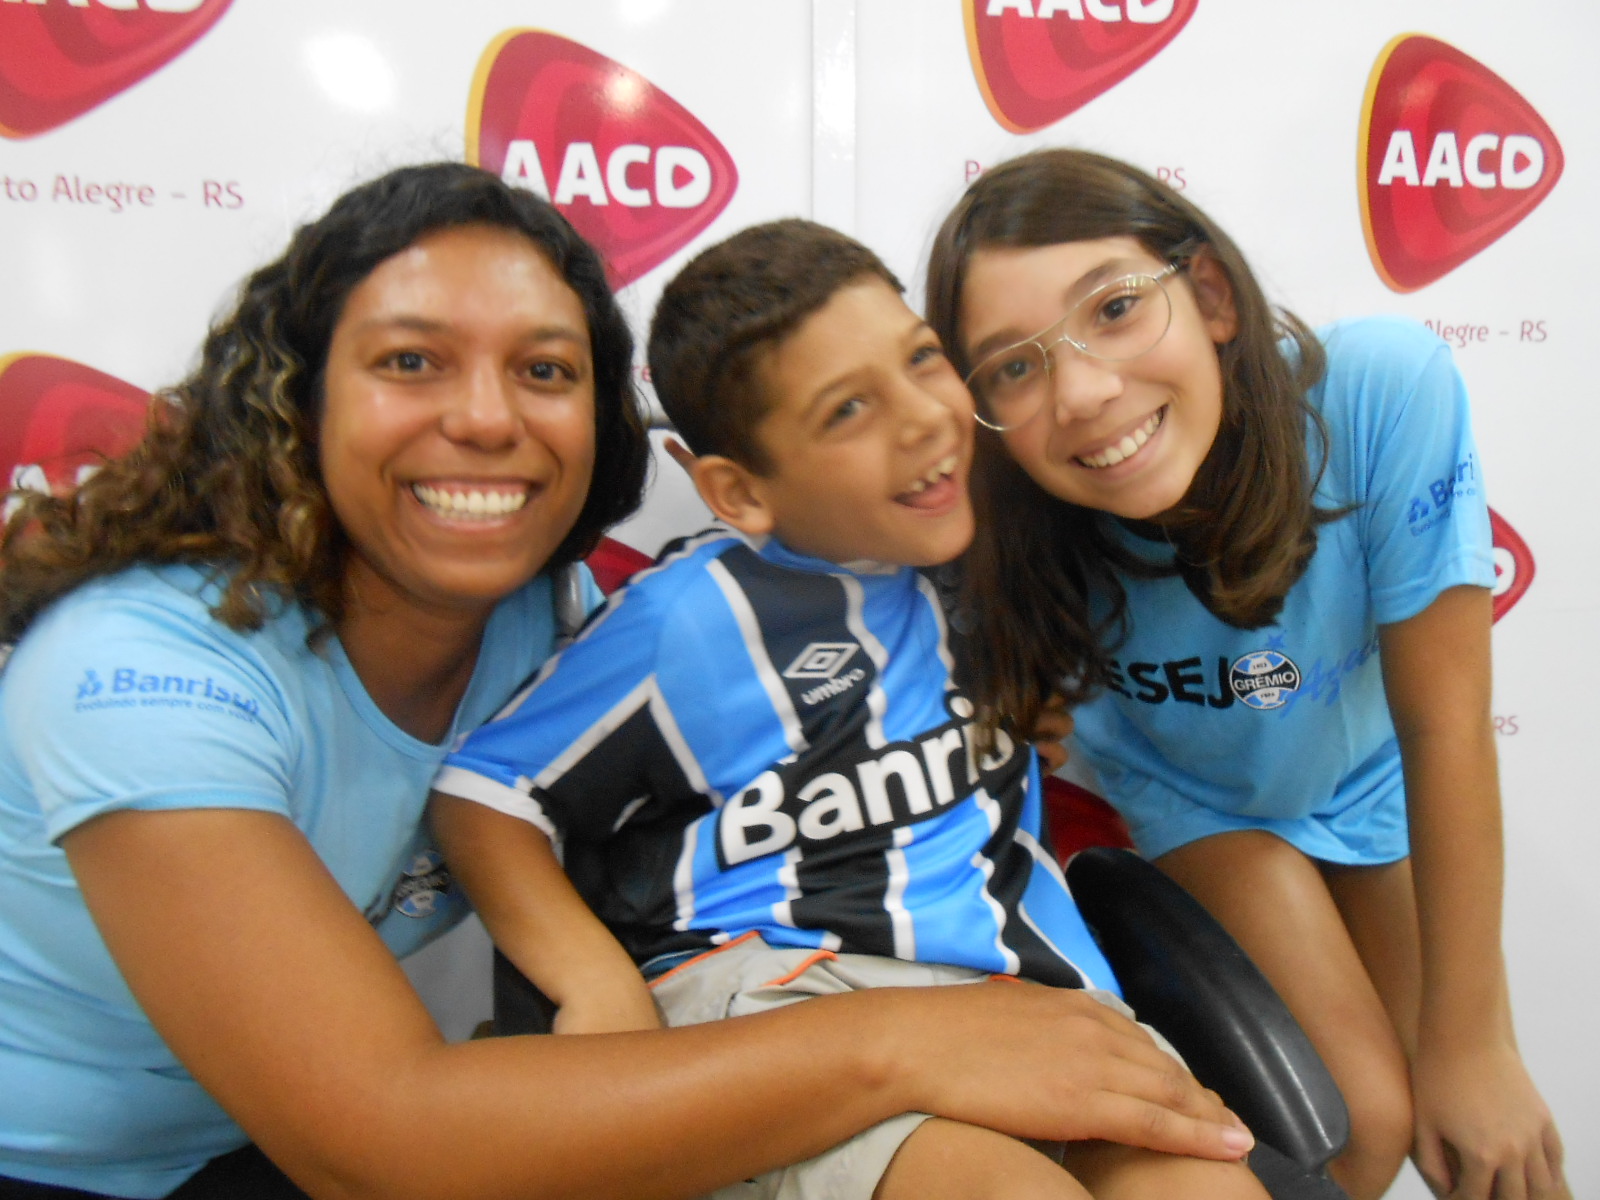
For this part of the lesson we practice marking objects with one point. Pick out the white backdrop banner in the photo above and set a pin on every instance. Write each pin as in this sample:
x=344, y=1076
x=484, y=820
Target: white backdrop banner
x=1428, y=157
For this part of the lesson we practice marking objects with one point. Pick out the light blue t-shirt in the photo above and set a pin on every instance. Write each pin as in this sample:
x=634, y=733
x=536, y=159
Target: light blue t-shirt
x=1286, y=728
x=128, y=694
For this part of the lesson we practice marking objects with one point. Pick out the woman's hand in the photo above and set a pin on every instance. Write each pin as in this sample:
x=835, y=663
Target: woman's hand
x=1054, y=1064
x=1482, y=1130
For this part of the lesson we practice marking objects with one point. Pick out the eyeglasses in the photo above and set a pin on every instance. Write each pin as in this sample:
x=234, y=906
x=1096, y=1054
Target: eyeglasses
x=1116, y=322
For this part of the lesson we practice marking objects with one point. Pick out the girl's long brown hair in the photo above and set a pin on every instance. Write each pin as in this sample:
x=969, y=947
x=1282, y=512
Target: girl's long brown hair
x=227, y=474
x=1043, y=577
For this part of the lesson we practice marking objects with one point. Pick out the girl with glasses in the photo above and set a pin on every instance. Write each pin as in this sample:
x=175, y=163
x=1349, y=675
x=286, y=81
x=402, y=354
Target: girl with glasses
x=1257, y=557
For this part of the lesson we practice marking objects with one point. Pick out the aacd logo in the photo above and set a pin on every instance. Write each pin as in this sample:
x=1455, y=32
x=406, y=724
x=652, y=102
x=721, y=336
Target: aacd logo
x=633, y=170
x=60, y=58
x=1513, y=565
x=1038, y=60
x=1451, y=158
x=59, y=420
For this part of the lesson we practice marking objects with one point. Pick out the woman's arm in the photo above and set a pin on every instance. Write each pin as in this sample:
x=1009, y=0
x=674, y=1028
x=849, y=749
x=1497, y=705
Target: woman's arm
x=1479, y=1117
x=268, y=984
x=539, y=921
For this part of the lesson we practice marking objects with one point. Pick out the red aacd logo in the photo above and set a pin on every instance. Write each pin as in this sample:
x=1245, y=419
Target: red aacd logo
x=1038, y=60
x=60, y=58
x=633, y=170
x=59, y=420
x=1451, y=158
x=1513, y=565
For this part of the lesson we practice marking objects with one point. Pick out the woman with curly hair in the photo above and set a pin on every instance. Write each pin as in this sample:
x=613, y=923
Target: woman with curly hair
x=241, y=653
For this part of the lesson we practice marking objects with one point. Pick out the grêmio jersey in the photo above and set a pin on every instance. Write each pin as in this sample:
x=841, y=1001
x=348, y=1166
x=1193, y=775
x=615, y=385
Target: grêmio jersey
x=1207, y=727
x=747, y=739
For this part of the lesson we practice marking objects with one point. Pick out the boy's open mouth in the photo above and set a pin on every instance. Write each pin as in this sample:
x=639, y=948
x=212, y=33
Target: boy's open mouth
x=471, y=502
x=1130, y=445
x=934, y=488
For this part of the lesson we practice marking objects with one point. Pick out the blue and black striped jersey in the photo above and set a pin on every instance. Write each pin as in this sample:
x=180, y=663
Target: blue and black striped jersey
x=748, y=739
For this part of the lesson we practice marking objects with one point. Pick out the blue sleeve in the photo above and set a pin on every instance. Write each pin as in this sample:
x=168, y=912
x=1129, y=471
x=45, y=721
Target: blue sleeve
x=115, y=702
x=1415, y=467
x=566, y=753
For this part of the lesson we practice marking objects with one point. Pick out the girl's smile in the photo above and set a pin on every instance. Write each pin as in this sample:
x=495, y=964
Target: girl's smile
x=1123, y=437
x=1125, y=448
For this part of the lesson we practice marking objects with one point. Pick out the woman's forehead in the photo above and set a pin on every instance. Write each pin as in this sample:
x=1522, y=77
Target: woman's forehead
x=467, y=273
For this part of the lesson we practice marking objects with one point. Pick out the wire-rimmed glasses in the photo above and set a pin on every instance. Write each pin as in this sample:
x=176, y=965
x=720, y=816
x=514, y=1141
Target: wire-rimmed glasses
x=1118, y=321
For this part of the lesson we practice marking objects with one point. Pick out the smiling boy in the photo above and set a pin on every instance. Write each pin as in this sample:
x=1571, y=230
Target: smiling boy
x=758, y=762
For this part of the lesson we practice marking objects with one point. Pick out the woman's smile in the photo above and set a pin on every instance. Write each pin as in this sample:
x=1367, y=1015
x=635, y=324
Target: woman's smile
x=458, y=426
x=472, y=502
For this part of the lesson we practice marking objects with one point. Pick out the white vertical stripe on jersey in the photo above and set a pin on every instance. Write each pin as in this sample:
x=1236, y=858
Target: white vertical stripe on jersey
x=755, y=645
x=1043, y=857
x=855, y=619
x=683, y=876
x=991, y=810
x=1048, y=862
x=894, y=896
x=931, y=594
x=610, y=602
x=789, y=877
x=647, y=693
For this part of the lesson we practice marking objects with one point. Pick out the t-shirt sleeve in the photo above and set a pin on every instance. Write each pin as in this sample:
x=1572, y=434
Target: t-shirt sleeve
x=115, y=703
x=573, y=751
x=1424, y=516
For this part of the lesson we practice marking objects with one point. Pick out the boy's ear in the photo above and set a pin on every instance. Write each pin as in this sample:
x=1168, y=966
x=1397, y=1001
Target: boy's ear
x=1213, y=292
x=732, y=492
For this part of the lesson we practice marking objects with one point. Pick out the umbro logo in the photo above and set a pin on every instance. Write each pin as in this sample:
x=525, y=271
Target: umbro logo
x=820, y=660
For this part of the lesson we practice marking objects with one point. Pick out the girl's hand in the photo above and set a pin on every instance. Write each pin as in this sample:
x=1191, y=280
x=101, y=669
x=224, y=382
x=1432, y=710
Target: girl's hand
x=1482, y=1130
x=680, y=454
x=1049, y=733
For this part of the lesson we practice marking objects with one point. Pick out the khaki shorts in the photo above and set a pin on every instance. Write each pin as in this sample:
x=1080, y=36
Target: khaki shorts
x=748, y=976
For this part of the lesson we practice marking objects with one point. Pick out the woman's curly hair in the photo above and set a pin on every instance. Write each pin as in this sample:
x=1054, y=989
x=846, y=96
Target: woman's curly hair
x=227, y=473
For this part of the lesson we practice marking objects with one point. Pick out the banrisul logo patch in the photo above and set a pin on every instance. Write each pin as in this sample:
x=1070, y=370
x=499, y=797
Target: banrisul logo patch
x=1513, y=565
x=1038, y=60
x=60, y=58
x=170, y=687
x=59, y=420
x=633, y=170
x=1451, y=159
